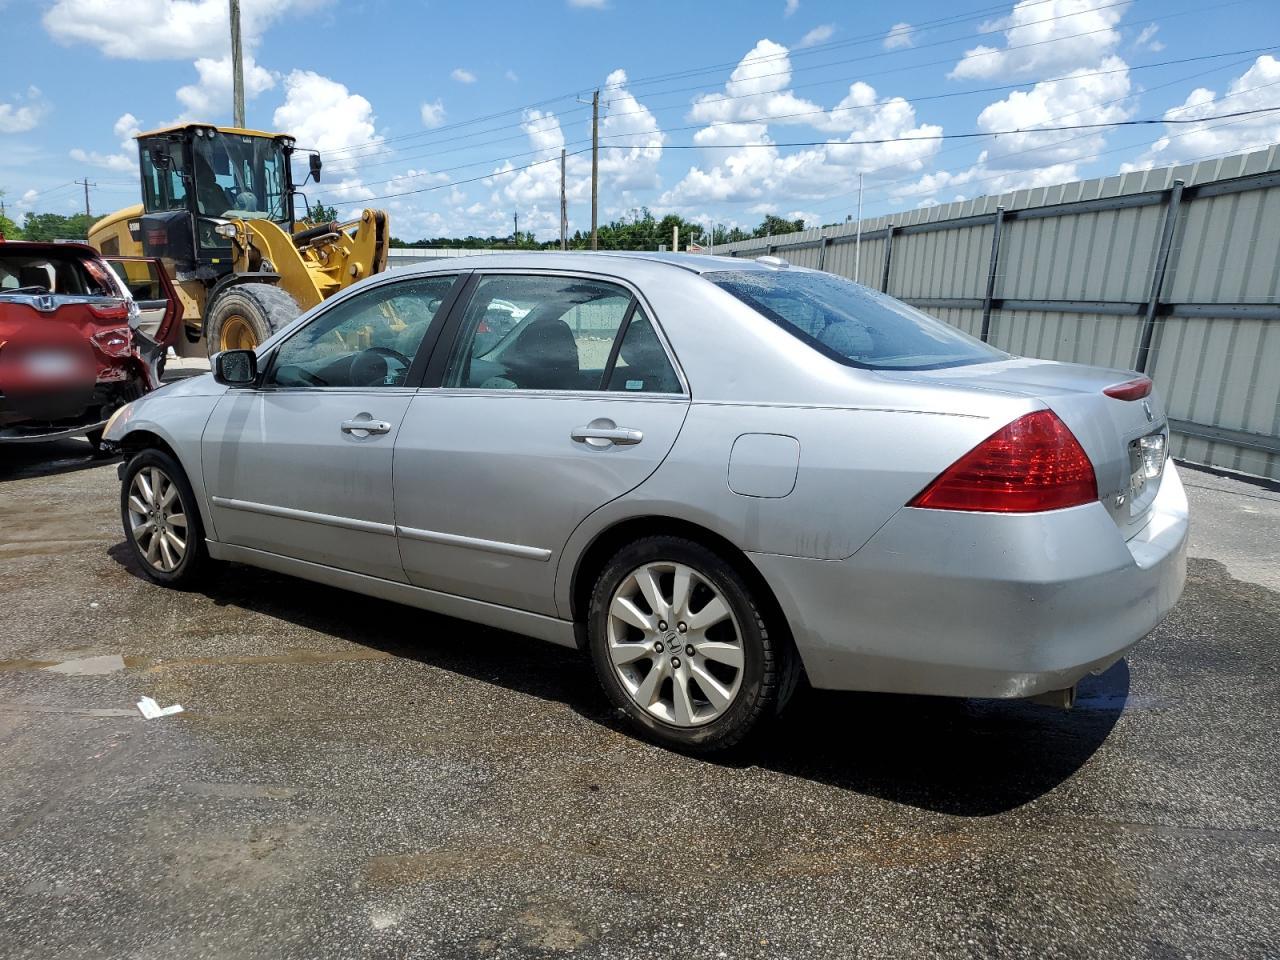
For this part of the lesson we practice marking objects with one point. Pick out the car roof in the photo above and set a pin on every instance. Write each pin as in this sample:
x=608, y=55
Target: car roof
x=611, y=261
x=27, y=247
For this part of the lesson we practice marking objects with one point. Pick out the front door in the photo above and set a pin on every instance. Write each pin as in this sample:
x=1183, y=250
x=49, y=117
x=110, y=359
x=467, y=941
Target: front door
x=301, y=465
x=558, y=397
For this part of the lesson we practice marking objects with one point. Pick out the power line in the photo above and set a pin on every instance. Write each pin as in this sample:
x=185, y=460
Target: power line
x=796, y=53
x=814, y=143
x=774, y=117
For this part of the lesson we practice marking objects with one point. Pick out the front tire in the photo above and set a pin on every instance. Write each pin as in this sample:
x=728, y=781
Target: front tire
x=681, y=647
x=245, y=315
x=161, y=519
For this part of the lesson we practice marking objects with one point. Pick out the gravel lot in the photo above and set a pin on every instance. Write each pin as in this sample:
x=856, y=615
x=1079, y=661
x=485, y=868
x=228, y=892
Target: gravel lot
x=355, y=779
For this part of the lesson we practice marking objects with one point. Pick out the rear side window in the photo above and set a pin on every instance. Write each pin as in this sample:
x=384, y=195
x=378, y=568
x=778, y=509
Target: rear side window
x=67, y=274
x=853, y=324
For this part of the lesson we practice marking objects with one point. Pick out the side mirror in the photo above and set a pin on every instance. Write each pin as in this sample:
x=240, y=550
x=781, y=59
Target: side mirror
x=235, y=368
x=314, y=161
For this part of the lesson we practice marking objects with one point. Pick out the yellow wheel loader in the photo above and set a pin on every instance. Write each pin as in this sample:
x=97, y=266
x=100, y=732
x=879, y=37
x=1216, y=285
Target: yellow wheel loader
x=218, y=210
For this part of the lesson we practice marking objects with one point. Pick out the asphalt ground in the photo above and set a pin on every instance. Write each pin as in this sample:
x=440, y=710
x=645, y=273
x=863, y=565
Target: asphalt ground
x=355, y=779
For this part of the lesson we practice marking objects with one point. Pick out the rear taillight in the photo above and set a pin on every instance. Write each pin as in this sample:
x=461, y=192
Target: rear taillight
x=1032, y=464
x=114, y=343
x=1134, y=389
x=118, y=310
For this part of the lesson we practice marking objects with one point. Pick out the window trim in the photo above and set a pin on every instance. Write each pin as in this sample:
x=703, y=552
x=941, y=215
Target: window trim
x=417, y=368
x=449, y=334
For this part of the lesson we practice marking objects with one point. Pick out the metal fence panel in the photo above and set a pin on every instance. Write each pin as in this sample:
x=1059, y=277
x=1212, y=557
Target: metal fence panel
x=1073, y=281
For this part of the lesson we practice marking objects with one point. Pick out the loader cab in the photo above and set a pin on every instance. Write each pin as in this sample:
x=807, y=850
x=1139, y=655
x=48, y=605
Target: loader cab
x=196, y=177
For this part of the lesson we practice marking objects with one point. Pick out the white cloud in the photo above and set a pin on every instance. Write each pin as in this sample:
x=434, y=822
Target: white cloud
x=1253, y=89
x=1066, y=34
x=161, y=29
x=900, y=35
x=1032, y=157
x=1147, y=39
x=633, y=138
x=1079, y=98
x=324, y=115
x=512, y=76
x=432, y=114
x=24, y=113
x=819, y=34
x=211, y=97
x=756, y=90
x=126, y=161
x=630, y=150
x=462, y=75
x=589, y=4
x=749, y=168
x=791, y=7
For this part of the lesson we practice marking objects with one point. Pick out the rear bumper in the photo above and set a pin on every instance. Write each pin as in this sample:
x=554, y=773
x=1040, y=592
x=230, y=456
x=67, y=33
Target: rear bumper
x=981, y=605
x=19, y=434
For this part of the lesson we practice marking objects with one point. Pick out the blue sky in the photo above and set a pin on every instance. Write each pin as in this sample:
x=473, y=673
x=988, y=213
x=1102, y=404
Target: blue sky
x=394, y=93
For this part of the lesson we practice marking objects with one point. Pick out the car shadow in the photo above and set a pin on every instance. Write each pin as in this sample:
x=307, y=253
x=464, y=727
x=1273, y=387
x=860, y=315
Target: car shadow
x=970, y=758
x=26, y=461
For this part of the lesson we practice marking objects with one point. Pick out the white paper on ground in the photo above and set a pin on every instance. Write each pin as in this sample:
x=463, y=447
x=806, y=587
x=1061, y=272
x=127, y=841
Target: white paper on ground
x=150, y=709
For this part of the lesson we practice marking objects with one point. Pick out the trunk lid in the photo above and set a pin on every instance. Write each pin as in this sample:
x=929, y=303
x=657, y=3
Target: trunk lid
x=1110, y=430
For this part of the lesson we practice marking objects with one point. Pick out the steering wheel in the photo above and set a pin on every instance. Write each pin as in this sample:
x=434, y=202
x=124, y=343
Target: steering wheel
x=369, y=366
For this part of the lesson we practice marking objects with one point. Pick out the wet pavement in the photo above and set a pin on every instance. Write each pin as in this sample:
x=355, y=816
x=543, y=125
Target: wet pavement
x=351, y=778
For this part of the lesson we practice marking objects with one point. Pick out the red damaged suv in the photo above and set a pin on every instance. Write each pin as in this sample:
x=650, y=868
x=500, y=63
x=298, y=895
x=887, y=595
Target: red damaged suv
x=74, y=342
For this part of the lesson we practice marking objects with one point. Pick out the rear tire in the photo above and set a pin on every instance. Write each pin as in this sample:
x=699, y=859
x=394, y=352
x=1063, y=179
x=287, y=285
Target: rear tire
x=714, y=645
x=161, y=519
x=245, y=315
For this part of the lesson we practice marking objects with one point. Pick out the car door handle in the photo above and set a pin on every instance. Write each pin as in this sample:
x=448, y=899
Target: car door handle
x=364, y=426
x=598, y=435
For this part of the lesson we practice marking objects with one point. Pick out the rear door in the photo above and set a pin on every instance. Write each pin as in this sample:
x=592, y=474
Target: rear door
x=159, y=308
x=300, y=465
x=523, y=436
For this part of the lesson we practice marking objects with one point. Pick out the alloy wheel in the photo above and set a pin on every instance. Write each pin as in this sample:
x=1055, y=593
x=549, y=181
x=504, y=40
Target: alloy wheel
x=675, y=644
x=157, y=522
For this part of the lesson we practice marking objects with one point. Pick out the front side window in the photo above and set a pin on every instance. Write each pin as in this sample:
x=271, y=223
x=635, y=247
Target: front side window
x=368, y=340
x=163, y=185
x=558, y=333
x=852, y=323
x=239, y=176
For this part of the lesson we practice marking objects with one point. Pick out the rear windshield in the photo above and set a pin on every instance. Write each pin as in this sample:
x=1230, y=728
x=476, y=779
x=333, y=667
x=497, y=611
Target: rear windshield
x=43, y=272
x=852, y=324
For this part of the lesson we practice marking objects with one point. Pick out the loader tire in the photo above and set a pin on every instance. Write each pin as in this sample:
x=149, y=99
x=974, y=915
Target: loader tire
x=245, y=315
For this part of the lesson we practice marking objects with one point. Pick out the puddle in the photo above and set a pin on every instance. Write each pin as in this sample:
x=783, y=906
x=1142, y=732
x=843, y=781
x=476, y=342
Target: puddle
x=88, y=666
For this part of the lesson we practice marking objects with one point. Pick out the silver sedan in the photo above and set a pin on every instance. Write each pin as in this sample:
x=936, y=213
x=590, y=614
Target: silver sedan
x=713, y=475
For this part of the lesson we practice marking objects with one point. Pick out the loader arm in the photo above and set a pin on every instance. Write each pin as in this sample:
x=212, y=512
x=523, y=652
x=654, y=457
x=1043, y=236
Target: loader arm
x=316, y=262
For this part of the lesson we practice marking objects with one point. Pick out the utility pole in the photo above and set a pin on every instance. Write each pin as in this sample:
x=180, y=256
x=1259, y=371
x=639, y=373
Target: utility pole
x=595, y=166
x=564, y=210
x=86, y=184
x=857, y=240
x=516, y=235
x=237, y=66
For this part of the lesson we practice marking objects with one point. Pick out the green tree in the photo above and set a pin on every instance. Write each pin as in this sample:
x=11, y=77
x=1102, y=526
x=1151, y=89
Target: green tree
x=772, y=226
x=321, y=214
x=54, y=226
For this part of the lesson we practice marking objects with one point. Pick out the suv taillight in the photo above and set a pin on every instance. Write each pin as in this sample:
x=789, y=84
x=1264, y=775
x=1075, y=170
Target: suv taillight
x=110, y=311
x=1034, y=463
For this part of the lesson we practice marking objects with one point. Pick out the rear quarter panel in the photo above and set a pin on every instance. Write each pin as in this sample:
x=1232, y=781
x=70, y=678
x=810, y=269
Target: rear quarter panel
x=857, y=467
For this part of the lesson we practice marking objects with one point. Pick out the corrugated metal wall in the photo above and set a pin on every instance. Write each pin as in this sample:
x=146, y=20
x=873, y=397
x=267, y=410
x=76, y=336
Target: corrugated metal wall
x=1073, y=279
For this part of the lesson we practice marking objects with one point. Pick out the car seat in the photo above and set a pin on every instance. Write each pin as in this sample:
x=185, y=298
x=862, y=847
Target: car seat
x=543, y=357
